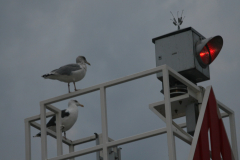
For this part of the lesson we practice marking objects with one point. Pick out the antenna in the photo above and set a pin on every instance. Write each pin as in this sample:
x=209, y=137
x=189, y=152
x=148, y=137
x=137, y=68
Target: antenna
x=180, y=19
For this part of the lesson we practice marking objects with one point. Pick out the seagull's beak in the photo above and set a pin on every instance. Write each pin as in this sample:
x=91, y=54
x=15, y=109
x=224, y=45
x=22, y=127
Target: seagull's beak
x=88, y=63
x=78, y=104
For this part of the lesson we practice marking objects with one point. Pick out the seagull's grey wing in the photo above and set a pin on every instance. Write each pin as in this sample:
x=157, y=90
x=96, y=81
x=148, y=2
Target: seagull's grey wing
x=52, y=121
x=67, y=69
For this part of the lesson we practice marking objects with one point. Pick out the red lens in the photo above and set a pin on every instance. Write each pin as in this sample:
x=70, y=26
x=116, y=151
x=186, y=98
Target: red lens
x=213, y=52
x=204, y=54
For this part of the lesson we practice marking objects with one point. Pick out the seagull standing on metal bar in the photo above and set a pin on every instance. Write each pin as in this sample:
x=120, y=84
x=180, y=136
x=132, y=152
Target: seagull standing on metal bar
x=69, y=117
x=70, y=73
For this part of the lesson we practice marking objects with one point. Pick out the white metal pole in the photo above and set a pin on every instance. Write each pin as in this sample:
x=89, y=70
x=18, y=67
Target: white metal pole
x=168, y=113
x=104, y=122
x=59, y=133
x=71, y=149
x=98, y=153
x=43, y=131
x=199, y=123
x=200, y=95
x=233, y=135
x=27, y=140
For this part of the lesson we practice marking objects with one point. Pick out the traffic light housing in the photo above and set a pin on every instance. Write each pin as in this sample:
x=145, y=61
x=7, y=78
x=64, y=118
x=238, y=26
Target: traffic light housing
x=188, y=52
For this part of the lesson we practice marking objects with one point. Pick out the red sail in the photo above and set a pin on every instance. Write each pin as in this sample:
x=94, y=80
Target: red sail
x=220, y=146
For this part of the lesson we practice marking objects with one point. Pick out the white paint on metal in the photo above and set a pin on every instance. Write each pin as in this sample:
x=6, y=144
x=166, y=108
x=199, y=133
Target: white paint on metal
x=232, y=127
x=58, y=127
x=233, y=135
x=177, y=109
x=172, y=129
x=50, y=133
x=43, y=131
x=192, y=93
x=105, y=85
x=182, y=136
x=224, y=107
x=138, y=137
x=168, y=112
x=179, y=132
x=78, y=153
x=59, y=133
x=84, y=140
x=71, y=149
x=27, y=140
x=199, y=123
x=104, y=122
x=37, y=117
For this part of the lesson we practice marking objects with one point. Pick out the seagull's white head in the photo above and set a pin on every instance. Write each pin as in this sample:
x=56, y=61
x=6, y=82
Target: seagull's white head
x=82, y=59
x=75, y=102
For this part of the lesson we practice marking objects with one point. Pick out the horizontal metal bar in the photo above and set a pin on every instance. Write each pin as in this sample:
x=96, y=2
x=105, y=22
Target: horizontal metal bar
x=181, y=97
x=184, y=80
x=106, y=84
x=110, y=139
x=53, y=109
x=140, y=136
x=78, y=153
x=224, y=108
x=37, y=117
x=182, y=134
x=192, y=93
x=50, y=133
x=84, y=140
x=178, y=131
x=134, y=76
x=71, y=95
x=186, y=138
x=224, y=115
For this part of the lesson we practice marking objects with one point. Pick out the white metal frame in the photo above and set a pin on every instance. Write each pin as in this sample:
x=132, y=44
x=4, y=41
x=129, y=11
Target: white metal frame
x=172, y=129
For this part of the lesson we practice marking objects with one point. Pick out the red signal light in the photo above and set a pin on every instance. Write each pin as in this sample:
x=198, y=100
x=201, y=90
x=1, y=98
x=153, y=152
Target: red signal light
x=204, y=55
x=208, y=49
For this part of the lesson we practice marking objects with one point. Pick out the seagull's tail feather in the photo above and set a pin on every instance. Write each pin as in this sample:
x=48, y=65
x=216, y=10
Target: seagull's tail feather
x=48, y=75
x=38, y=135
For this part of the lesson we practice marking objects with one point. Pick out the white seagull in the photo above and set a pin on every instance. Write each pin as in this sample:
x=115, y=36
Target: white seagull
x=70, y=73
x=69, y=117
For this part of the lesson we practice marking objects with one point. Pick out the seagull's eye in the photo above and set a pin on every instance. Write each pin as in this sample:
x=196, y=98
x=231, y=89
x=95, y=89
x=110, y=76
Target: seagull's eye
x=75, y=101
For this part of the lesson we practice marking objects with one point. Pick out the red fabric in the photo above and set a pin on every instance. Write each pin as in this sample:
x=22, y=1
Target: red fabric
x=214, y=126
x=219, y=140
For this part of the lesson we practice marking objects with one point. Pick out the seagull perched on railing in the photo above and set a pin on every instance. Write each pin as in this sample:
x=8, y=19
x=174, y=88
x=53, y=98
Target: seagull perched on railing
x=70, y=73
x=69, y=117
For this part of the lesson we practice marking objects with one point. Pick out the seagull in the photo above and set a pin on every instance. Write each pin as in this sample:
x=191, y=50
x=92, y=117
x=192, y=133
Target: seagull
x=70, y=73
x=69, y=117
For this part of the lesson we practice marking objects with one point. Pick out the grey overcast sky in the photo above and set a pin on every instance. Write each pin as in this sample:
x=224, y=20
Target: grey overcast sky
x=116, y=38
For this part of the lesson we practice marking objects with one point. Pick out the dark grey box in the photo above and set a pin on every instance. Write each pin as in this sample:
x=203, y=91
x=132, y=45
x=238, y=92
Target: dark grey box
x=177, y=50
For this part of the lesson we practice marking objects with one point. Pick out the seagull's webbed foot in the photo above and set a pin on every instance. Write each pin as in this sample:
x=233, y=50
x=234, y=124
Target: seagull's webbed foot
x=66, y=138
